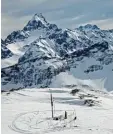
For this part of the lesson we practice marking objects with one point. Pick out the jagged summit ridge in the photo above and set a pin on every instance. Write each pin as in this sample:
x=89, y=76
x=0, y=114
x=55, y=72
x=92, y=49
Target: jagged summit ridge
x=39, y=17
x=37, y=21
x=89, y=27
x=37, y=26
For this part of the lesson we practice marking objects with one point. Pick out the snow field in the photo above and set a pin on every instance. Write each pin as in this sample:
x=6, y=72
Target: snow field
x=28, y=111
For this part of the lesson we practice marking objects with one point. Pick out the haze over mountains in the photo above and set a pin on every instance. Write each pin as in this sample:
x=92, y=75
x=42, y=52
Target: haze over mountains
x=43, y=55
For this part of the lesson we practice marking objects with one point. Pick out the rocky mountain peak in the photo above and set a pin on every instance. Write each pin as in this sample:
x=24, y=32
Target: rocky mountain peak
x=38, y=21
x=39, y=17
x=89, y=27
x=46, y=51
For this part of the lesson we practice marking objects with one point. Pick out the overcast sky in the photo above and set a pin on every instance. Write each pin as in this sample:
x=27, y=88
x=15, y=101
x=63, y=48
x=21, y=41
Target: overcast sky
x=65, y=13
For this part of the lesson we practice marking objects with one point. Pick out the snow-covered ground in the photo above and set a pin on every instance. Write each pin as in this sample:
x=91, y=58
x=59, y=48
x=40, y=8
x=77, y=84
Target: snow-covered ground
x=28, y=111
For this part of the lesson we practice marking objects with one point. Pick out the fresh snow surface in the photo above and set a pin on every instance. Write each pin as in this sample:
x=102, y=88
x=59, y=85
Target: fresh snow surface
x=9, y=61
x=27, y=111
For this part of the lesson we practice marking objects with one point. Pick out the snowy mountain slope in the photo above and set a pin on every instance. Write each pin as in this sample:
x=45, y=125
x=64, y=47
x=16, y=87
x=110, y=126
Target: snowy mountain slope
x=38, y=71
x=38, y=66
x=33, y=115
x=18, y=41
x=91, y=34
x=5, y=52
x=42, y=51
x=96, y=62
x=40, y=48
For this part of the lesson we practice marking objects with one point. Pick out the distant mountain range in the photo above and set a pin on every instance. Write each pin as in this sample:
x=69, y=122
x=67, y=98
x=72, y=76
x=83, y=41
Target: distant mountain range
x=39, y=53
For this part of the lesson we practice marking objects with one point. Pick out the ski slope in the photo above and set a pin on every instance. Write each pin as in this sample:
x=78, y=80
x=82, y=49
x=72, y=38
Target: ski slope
x=28, y=111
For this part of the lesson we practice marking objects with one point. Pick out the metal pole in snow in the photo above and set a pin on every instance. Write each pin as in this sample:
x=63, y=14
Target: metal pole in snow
x=51, y=103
